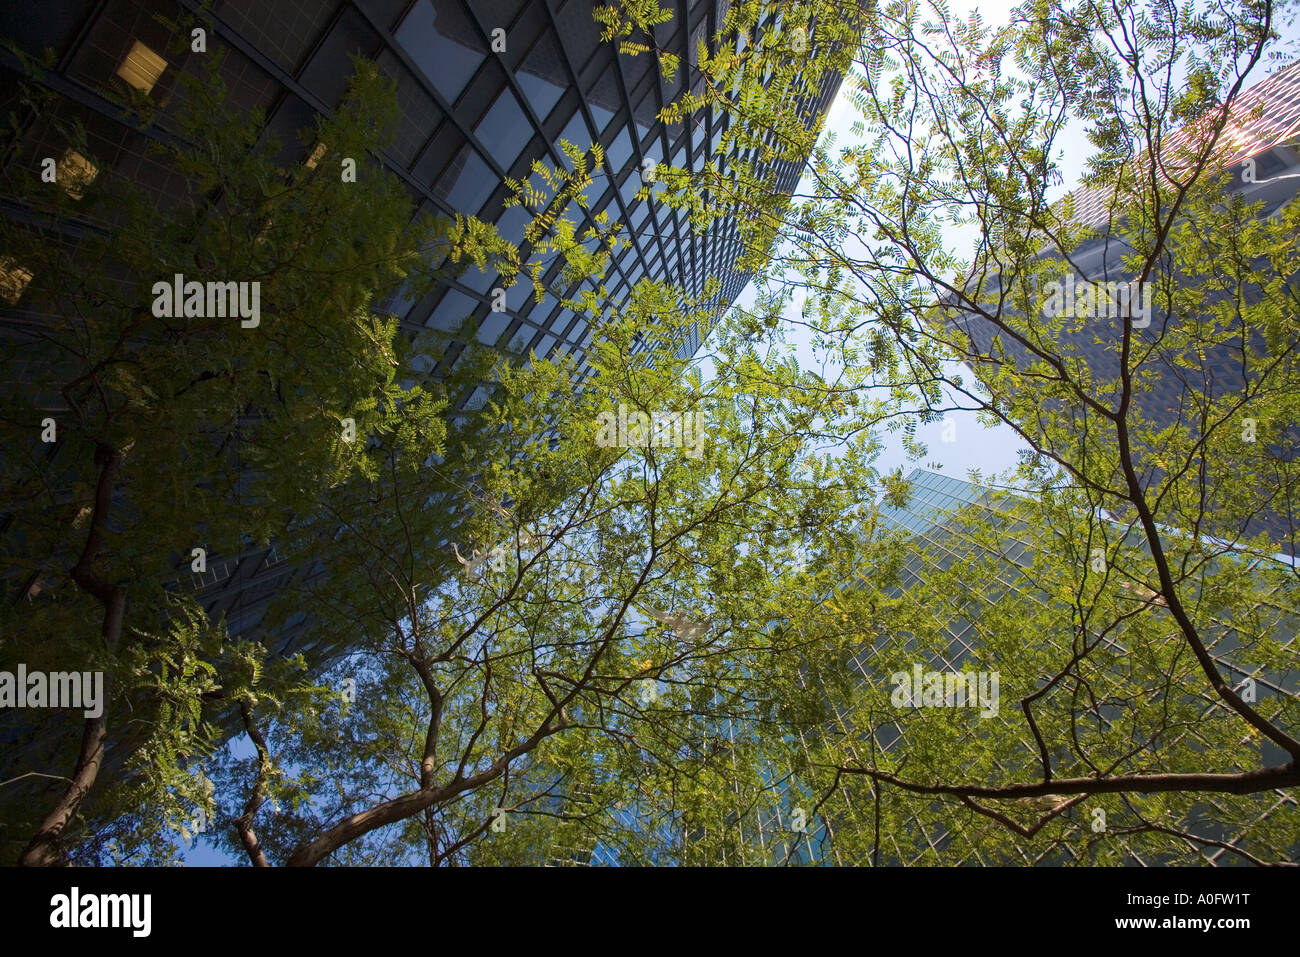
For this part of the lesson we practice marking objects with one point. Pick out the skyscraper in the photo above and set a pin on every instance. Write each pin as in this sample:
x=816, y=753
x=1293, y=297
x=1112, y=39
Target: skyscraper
x=1259, y=150
x=484, y=88
x=968, y=558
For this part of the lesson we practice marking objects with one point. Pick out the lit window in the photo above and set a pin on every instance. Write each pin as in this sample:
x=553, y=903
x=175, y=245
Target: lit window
x=13, y=280
x=142, y=67
x=75, y=173
x=316, y=155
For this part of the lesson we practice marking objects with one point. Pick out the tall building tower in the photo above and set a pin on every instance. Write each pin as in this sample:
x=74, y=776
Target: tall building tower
x=1262, y=136
x=485, y=88
x=957, y=587
x=1260, y=148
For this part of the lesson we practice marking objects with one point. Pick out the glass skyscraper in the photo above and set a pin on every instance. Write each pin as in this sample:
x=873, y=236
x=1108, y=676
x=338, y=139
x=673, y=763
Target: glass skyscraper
x=989, y=541
x=485, y=88
x=1260, y=150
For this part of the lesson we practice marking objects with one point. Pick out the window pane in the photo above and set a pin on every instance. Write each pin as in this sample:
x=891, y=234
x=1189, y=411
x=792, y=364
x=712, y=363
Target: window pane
x=504, y=130
x=452, y=311
x=494, y=324
x=469, y=187
x=577, y=134
x=512, y=224
x=443, y=43
x=619, y=152
x=542, y=77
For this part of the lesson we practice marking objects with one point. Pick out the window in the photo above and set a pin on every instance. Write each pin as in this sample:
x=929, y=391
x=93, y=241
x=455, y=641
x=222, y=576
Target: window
x=637, y=215
x=452, y=311
x=631, y=186
x=619, y=152
x=520, y=294
x=577, y=134
x=504, y=131
x=13, y=280
x=317, y=155
x=472, y=185
x=512, y=224
x=74, y=173
x=542, y=311
x=536, y=75
x=492, y=327
x=443, y=43
x=142, y=67
x=519, y=342
x=600, y=115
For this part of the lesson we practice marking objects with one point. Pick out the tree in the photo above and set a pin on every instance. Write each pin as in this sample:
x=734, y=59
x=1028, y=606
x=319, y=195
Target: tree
x=503, y=667
x=1151, y=612
x=586, y=624
x=173, y=431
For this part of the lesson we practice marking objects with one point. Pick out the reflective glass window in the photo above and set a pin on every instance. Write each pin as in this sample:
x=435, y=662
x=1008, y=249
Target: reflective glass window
x=504, y=131
x=630, y=187
x=576, y=133
x=601, y=116
x=452, y=311
x=619, y=152
x=472, y=185
x=493, y=325
x=446, y=47
x=512, y=224
x=520, y=294
x=542, y=77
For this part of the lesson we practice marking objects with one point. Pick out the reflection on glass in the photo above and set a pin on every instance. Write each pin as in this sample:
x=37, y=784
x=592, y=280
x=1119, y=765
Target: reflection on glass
x=629, y=188
x=443, y=43
x=493, y=325
x=542, y=310
x=472, y=185
x=512, y=224
x=601, y=116
x=477, y=280
x=452, y=311
x=504, y=130
x=542, y=77
x=403, y=301
x=518, y=295
x=577, y=134
x=619, y=152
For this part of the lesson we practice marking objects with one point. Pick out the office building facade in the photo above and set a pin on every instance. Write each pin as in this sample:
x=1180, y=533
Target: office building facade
x=485, y=89
x=1259, y=149
x=943, y=548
